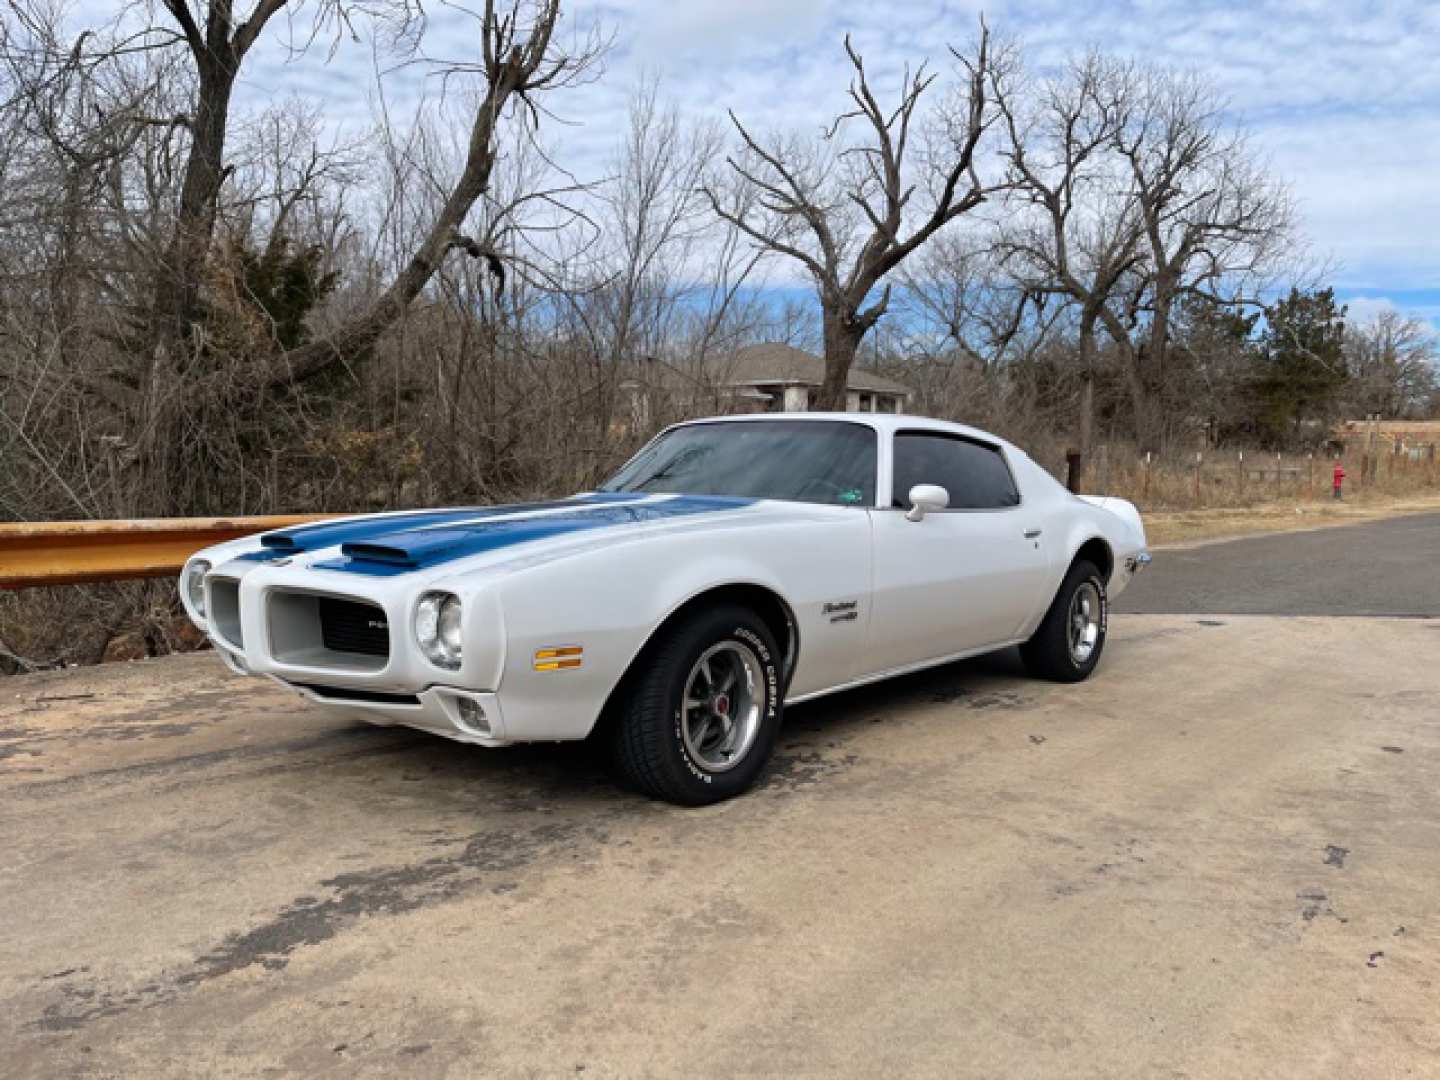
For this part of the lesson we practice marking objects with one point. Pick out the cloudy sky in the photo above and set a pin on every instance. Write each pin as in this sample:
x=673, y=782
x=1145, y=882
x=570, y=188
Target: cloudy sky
x=1343, y=96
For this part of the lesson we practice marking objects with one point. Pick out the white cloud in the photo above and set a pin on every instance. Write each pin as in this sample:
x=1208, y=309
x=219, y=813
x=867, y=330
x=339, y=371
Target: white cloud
x=707, y=27
x=1365, y=183
x=1363, y=309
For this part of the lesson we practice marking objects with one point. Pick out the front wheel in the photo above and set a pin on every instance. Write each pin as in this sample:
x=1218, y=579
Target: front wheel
x=699, y=718
x=1068, y=643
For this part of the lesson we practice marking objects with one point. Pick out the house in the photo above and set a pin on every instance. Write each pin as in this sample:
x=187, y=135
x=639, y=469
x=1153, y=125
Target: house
x=776, y=377
x=770, y=377
x=1416, y=438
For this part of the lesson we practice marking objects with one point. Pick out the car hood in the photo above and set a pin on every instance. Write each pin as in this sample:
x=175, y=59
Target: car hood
x=466, y=539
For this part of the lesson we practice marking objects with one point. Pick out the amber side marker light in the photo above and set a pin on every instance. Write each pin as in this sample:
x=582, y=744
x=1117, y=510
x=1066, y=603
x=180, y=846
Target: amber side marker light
x=559, y=658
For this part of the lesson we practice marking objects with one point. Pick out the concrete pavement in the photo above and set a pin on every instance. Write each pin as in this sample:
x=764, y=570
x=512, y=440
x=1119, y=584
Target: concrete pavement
x=1216, y=858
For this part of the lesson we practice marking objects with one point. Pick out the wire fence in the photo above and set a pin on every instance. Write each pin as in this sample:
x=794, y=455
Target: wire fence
x=1241, y=478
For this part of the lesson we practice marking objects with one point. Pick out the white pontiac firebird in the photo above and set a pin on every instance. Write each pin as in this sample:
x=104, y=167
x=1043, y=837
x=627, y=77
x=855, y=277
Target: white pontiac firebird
x=732, y=566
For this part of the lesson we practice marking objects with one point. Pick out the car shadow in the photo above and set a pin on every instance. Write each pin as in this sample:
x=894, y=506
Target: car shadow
x=817, y=736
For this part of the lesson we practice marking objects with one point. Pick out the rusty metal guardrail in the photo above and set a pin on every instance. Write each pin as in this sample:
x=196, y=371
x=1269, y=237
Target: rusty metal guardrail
x=82, y=552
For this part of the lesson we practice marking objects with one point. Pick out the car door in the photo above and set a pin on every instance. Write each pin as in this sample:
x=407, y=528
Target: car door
x=959, y=579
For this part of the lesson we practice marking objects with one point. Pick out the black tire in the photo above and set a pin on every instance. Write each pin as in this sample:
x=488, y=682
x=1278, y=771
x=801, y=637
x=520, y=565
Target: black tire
x=650, y=742
x=1049, y=653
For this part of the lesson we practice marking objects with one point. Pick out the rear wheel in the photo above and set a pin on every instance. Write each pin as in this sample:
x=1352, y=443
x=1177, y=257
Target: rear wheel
x=699, y=717
x=1068, y=643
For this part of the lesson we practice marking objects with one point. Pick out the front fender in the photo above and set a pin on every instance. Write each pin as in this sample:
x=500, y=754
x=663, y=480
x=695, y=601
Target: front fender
x=609, y=602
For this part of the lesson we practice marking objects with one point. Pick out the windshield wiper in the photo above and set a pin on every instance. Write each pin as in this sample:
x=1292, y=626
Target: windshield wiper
x=663, y=474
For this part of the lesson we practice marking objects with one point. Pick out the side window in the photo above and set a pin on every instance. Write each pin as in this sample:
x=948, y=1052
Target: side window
x=974, y=473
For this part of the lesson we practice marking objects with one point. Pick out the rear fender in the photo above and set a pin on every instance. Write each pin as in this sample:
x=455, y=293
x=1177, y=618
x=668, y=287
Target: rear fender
x=1125, y=510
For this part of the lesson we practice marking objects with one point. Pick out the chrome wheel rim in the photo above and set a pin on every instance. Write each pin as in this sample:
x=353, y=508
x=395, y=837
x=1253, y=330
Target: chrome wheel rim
x=720, y=713
x=1084, y=623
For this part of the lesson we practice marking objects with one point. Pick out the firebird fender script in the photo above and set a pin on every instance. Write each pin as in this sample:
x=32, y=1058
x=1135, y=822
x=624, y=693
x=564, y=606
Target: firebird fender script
x=842, y=610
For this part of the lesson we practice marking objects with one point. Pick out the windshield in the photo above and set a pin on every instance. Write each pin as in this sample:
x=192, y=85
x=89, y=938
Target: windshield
x=813, y=461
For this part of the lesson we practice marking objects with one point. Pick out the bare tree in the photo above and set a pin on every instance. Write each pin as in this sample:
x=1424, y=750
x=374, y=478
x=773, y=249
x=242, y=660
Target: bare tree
x=655, y=220
x=1077, y=233
x=1393, y=366
x=965, y=306
x=519, y=61
x=1216, y=226
x=842, y=207
x=170, y=378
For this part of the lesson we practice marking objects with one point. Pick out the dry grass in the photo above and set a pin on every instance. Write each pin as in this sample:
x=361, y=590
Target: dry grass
x=1178, y=528
x=1235, y=479
x=1226, y=494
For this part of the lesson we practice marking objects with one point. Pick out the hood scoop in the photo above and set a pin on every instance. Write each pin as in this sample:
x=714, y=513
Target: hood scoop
x=408, y=549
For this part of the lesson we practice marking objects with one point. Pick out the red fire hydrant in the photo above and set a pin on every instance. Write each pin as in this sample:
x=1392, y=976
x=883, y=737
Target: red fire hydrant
x=1339, y=477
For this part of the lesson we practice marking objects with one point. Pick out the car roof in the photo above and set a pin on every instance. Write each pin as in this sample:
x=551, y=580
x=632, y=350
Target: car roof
x=881, y=422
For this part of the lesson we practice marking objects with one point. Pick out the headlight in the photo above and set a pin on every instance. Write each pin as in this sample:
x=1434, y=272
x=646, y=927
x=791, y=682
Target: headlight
x=195, y=585
x=437, y=629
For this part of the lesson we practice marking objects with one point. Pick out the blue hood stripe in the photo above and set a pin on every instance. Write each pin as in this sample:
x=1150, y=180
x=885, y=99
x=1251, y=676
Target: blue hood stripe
x=328, y=534
x=406, y=550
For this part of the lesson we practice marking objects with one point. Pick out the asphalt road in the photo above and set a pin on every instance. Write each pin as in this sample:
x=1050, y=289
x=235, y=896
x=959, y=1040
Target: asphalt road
x=1216, y=858
x=1389, y=567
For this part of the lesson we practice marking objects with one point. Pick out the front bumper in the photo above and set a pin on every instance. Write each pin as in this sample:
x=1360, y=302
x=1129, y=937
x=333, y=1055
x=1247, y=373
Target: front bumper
x=463, y=715
x=440, y=710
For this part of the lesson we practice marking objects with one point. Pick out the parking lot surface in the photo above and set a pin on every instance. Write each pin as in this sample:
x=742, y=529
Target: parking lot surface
x=1217, y=858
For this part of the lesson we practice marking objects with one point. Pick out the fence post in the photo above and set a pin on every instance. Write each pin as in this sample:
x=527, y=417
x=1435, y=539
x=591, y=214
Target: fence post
x=1199, y=457
x=1240, y=468
x=1368, y=463
x=1310, y=485
x=1145, y=480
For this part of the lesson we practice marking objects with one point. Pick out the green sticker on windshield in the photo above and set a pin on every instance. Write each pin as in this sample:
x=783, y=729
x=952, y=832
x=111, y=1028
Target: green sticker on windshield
x=851, y=495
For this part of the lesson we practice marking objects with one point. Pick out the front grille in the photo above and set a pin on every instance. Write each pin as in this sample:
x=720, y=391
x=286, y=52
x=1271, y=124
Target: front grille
x=348, y=626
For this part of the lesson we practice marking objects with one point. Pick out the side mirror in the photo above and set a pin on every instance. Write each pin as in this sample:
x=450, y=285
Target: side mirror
x=925, y=499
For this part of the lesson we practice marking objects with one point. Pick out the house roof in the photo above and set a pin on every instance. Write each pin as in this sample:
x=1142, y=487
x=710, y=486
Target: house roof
x=774, y=362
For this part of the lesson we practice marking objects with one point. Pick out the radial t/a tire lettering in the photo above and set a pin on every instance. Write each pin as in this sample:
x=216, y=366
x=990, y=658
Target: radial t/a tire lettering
x=700, y=712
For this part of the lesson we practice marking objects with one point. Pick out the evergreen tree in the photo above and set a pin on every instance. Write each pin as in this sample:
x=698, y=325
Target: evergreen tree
x=1302, y=365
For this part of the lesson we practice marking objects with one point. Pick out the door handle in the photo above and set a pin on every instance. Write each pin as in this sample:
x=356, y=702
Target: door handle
x=1031, y=534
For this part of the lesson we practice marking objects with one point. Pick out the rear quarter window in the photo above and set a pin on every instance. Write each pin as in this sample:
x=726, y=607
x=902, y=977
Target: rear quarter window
x=973, y=472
